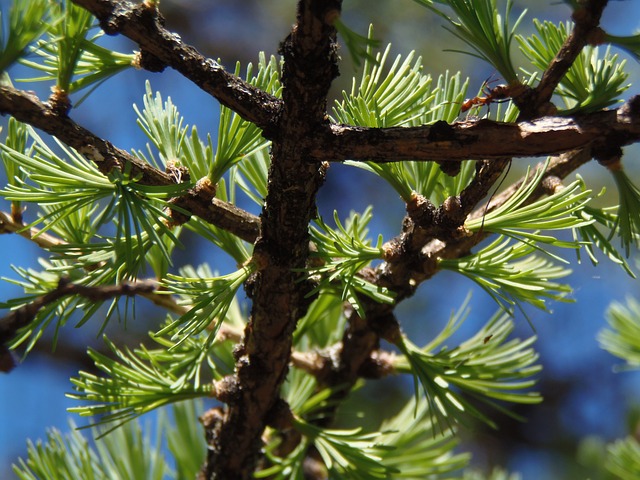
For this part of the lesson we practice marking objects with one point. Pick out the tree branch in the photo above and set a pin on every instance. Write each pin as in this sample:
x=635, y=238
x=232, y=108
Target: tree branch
x=43, y=240
x=586, y=18
x=279, y=299
x=199, y=200
x=482, y=139
x=143, y=24
x=21, y=317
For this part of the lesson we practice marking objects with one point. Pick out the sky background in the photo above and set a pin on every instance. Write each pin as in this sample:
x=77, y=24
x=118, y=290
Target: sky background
x=587, y=398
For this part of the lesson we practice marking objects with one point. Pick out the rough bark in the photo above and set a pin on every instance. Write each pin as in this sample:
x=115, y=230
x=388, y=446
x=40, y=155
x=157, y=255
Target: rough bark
x=310, y=64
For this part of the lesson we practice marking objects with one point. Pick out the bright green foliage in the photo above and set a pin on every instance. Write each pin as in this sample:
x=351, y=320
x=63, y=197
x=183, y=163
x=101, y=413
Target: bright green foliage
x=512, y=274
x=517, y=219
x=419, y=452
x=70, y=55
x=184, y=438
x=209, y=298
x=64, y=185
x=590, y=235
x=344, y=252
x=323, y=324
x=496, y=474
x=124, y=454
x=162, y=124
x=627, y=222
x=26, y=24
x=358, y=45
x=238, y=138
x=630, y=43
x=402, y=96
x=622, y=338
x=347, y=453
x=398, y=98
x=624, y=459
x=592, y=83
x=140, y=381
x=486, y=368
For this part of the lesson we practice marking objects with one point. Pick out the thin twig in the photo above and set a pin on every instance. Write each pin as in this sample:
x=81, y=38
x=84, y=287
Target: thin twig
x=143, y=24
x=199, y=200
x=42, y=239
x=22, y=316
x=587, y=19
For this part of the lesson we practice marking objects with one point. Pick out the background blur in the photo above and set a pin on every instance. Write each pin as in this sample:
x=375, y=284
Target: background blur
x=583, y=397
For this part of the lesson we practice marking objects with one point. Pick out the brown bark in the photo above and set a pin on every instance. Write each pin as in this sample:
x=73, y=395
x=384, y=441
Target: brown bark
x=281, y=251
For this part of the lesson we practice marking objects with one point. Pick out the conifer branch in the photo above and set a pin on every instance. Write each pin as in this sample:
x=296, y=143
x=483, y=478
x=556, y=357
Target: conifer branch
x=276, y=278
x=199, y=200
x=478, y=140
x=20, y=317
x=587, y=19
x=279, y=298
x=143, y=24
x=42, y=239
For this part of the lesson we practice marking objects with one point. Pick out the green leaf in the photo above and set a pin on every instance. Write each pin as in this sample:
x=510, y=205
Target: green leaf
x=184, y=438
x=35, y=284
x=27, y=22
x=289, y=468
x=418, y=452
x=622, y=338
x=386, y=99
x=347, y=453
x=342, y=252
x=627, y=223
x=484, y=30
x=251, y=173
x=139, y=381
x=511, y=274
x=125, y=455
x=630, y=43
x=496, y=474
x=623, y=459
x=63, y=185
x=238, y=138
x=402, y=96
x=69, y=56
x=517, y=219
x=359, y=46
x=487, y=368
x=162, y=124
x=208, y=297
x=59, y=312
x=17, y=140
x=593, y=81
x=323, y=323
x=590, y=236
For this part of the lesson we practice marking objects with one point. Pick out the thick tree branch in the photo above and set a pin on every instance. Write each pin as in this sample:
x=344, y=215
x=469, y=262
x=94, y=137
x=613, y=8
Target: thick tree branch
x=483, y=139
x=199, y=200
x=143, y=24
x=279, y=298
